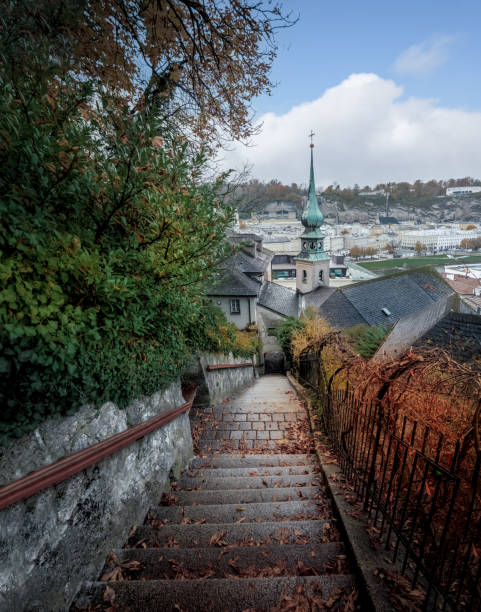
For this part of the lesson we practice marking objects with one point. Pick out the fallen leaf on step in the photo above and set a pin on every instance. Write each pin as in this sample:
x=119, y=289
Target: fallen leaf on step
x=216, y=539
x=109, y=595
x=113, y=576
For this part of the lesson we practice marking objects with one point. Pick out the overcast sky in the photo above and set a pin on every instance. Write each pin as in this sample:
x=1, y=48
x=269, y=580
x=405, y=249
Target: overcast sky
x=392, y=91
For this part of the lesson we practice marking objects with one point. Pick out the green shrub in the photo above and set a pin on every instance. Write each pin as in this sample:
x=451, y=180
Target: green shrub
x=366, y=340
x=285, y=332
x=108, y=236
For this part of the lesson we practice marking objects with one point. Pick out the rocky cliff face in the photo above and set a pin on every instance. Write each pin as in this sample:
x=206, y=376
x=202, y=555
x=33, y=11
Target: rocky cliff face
x=437, y=210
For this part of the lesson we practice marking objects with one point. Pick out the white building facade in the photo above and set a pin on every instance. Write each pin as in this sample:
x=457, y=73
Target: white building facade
x=435, y=240
x=459, y=191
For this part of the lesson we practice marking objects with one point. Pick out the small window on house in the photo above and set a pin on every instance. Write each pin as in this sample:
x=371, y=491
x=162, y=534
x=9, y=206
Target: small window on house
x=304, y=276
x=321, y=275
x=235, y=306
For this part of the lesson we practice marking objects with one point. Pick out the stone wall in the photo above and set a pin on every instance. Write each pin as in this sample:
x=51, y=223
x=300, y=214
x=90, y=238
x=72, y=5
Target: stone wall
x=56, y=539
x=223, y=383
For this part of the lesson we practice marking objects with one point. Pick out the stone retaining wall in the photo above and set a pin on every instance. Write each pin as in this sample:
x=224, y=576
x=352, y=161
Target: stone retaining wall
x=222, y=383
x=54, y=540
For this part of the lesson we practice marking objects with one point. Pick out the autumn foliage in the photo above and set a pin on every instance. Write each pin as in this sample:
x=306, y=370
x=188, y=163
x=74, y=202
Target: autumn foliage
x=109, y=230
x=426, y=385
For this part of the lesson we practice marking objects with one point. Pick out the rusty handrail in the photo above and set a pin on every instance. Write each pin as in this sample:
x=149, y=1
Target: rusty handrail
x=227, y=366
x=70, y=465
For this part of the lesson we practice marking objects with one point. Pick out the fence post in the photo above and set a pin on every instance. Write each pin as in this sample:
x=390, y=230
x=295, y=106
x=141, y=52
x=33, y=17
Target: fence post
x=372, y=469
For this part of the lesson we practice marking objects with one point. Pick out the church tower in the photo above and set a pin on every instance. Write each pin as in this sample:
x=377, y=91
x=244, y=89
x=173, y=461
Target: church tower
x=312, y=263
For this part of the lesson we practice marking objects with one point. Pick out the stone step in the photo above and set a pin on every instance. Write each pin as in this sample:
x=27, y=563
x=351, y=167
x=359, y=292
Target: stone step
x=247, y=407
x=250, y=482
x=208, y=447
x=256, y=461
x=247, y=471
x=229, y=595
x=250, y=513
x=185, y=536
x=290, y=560
x=245, y=496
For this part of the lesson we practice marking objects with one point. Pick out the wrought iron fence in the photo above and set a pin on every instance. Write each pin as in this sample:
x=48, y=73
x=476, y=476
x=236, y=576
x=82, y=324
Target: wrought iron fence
x=422, y=494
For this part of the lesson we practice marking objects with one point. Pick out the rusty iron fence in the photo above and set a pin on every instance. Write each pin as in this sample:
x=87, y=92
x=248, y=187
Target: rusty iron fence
x=421, y=492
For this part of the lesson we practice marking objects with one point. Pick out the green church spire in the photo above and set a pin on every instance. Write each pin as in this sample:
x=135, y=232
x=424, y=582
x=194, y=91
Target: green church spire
x=312, y=219
x=312, y=216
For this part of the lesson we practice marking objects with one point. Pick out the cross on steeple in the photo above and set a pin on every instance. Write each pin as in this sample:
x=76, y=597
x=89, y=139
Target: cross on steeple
x=311, y=136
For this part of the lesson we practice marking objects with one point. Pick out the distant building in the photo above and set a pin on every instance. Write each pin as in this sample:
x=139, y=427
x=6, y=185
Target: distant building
x=463, y=271
x=278, y=210
x=435, y=240
x=388, y=221
x=365, y=194
x=460, y=191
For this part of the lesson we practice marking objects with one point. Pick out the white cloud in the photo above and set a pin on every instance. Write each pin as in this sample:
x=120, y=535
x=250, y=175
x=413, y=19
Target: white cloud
x=424, y=57
x=365, y=134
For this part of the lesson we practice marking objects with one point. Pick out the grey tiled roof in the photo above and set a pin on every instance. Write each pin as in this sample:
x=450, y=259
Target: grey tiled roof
x=339, y=311
x=402, y=294
x=317, y=297
x=279, y=299
x=236, y=238
x=457, y=333
x=250, y=265
x=232, y=282
x=434, y=285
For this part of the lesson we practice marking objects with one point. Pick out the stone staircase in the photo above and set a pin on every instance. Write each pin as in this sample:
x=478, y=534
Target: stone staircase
x=248, y=531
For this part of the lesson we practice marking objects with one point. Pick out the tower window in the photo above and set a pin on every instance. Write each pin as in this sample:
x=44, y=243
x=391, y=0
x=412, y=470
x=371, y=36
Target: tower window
x=235, y=306
x=321, y=275
x=304, y=276
x=313, y=245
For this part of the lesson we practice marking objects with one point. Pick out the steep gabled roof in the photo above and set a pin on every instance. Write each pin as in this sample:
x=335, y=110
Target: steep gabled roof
x=250, y=265
x=400, y=294
x=339, y=311
x=278, y=299
x=457, y=333
x=232, y=282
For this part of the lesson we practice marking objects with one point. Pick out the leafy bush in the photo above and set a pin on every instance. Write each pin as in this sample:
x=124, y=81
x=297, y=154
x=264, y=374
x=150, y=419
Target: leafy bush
x=366, y=340
x=285, y=333
x=108, y=236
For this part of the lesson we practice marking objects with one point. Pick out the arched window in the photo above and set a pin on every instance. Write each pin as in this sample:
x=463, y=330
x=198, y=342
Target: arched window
x=321, y=275
x=304, y=276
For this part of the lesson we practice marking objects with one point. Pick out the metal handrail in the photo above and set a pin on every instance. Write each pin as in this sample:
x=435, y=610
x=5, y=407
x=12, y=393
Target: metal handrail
x=70, y=465
x=227, y=366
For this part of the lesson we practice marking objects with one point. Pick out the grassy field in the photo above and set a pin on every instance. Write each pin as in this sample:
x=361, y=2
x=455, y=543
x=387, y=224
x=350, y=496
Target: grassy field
x=393, y=265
